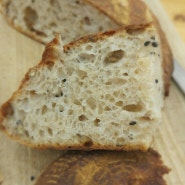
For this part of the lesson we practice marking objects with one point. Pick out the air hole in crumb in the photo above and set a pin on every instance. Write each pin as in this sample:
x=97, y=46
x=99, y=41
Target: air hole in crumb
x=107, y=108
x=44, y=109
x=119, y=103
x=82, y=74
x=41, y=133
x=133, y=108
x=97, y=122
x=100, y=28
x=114, y=57
x=87, y=20
x=65, y=100
x=91, y=103
x=59, y=71
x=61, y=108
x=85, y=140
x=118, y=81
x=52, y=24
x=116, y=134
x=76, y=102
x=30, y=17
x=81, y=83
x=26, y=133
x=54, y=3
x=137, y=71
x=120, y=141
x=86, y=57
x=115, y=124
x=50, y=132
x=108, y=83
x=109, y=97
x=88, y=47
x=70, y=112
x=61, y=61
x=145, y=118
x=53, y=104
x=82, y=118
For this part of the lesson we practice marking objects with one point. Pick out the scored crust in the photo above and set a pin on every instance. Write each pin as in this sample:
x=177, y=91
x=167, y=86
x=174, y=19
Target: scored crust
x=105, y=167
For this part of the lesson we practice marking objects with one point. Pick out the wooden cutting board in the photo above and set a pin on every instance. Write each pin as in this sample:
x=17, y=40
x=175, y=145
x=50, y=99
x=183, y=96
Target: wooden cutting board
x=20, y=165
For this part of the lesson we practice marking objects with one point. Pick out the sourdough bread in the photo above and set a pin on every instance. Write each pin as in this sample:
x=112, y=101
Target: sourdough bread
x=105, y=168
x=103, y=91
x=76, y=18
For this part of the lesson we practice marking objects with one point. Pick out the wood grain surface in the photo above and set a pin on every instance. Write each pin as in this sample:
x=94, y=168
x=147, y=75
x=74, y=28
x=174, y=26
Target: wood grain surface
x=176, y=11
x=20, y=165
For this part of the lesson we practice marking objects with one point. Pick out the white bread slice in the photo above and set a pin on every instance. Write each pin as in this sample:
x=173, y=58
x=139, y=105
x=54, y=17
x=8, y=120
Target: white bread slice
x=103, y=91
x=42, y=20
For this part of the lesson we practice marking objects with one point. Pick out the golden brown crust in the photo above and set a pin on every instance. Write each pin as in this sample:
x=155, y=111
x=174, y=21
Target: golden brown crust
x=124, y=12
x=167, y=58
x=100, y=36
x=105, y=167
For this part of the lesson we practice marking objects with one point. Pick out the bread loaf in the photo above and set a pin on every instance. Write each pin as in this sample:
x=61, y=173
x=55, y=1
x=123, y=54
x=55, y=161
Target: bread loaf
x=102, y=91
x=105, y=168
x=76, y=18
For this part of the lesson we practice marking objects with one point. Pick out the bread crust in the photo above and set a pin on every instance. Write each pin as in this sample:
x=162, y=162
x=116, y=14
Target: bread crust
x=105, y=167
x=100, y=36
x=51, y=55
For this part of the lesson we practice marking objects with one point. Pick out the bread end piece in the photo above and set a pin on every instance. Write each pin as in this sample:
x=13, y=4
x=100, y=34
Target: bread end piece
x=105, y=167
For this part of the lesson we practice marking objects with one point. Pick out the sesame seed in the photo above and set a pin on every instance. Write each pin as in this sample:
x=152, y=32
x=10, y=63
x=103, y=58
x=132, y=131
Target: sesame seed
x=154, y=44
x=156, y=81
x=146, y=43
x=132, y=123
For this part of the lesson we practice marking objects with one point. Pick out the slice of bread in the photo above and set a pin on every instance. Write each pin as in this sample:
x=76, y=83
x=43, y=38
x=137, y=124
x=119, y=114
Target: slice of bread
x=103, y=91
x=105, y=168
x=76, y=18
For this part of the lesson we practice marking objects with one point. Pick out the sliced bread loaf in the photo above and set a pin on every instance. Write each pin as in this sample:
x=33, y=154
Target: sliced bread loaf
x=76, y=18
x=103, y=91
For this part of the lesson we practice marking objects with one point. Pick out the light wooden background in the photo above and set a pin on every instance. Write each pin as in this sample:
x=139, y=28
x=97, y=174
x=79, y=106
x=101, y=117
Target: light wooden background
x=18, y=53
x=176, y=11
